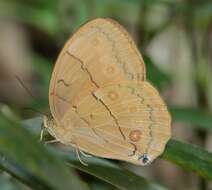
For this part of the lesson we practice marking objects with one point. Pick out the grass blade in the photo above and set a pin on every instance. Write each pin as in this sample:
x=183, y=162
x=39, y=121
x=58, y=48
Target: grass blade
x=189, y=157
x=24, y=157
x=111, y=173
x=39, y=169
x=197, y=118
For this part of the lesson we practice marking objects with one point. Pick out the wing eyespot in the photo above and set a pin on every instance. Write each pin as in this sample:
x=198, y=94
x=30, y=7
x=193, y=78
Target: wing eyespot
x=110, y=70
x=135, y=135
x=112, y=95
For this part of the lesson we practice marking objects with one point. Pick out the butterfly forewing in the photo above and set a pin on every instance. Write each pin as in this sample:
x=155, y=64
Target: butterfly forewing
x=107, y=52
x=100, y=52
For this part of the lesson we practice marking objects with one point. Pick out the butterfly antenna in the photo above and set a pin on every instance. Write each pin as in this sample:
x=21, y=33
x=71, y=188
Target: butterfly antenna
x=34, y=110
x=30, y=94
x=41, y=133
x=23, y=85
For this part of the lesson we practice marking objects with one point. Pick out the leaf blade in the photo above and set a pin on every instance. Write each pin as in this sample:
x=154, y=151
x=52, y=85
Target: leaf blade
x=189, y=157
x=23, y=153
x=198, y=118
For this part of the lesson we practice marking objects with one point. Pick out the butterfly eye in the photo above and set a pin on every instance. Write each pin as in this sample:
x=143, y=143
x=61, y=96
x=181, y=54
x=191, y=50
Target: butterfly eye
x=144, y=159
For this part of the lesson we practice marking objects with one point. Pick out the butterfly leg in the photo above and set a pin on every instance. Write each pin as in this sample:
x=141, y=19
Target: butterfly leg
x=41, y=132
x=78, y=151
x=52, y=141
x=84, y=154
x=78, y=156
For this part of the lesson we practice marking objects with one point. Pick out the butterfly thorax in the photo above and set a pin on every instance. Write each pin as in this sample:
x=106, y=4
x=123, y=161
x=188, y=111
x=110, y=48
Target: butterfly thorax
x=51, y=126
x=58, y=132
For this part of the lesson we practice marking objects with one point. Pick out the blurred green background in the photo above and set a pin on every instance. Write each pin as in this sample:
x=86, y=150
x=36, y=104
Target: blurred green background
x=175, y=39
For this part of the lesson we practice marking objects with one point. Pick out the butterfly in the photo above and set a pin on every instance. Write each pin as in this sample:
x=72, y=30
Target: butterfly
x=100, y=100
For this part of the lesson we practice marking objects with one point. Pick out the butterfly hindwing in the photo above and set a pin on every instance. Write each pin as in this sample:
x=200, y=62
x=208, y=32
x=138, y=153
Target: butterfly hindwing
x=128, y=119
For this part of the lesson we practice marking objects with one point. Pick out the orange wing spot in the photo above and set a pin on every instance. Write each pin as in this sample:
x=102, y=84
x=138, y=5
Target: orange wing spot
x=52, y=93
x=135, y=135
x=113, y=95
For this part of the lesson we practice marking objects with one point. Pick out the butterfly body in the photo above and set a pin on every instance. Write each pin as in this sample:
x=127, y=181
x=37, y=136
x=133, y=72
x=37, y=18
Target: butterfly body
x=100, y=100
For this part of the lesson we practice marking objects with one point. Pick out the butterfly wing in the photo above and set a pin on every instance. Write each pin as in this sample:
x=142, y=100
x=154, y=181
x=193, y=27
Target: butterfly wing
x=99, y=53
x=107, y=52
x=123, y=121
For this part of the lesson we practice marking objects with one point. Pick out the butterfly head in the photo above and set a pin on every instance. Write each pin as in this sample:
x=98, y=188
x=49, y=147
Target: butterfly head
x=48, y=121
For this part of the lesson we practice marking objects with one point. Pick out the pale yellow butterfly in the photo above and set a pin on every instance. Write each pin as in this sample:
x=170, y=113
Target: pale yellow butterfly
x=100, y=100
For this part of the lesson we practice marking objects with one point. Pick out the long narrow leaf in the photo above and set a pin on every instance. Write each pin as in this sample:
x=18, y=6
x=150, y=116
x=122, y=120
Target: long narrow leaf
x=196, y=117
x=111, y=173
x=189, y=157
x=36, y=166
x=24, y=157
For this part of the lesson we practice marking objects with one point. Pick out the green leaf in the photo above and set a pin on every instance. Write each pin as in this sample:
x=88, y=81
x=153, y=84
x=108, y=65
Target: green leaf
x=24, y=157
x=155, y=75
x=189, y=157
x=111, y=173
x=203, y=15
x=198, y=118
x=7, y=183
x=43, y=18
x=43, y=167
